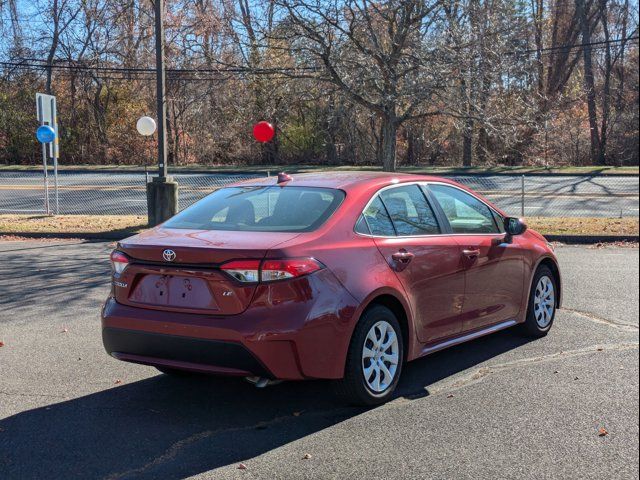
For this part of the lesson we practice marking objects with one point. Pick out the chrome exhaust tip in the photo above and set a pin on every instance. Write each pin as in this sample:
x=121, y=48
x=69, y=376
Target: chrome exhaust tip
x=261, y=382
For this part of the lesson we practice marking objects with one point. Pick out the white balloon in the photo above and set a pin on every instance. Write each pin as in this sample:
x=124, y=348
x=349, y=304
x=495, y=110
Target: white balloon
x=146, y=126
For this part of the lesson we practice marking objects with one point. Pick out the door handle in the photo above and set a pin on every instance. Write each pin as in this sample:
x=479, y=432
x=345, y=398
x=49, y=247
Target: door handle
x=471, y=253
x=402, y=259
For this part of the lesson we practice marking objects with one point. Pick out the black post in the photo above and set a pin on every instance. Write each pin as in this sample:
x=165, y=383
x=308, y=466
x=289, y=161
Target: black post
x=162, y=192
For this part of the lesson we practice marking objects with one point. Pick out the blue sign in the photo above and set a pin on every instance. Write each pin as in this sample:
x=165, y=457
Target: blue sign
x=45, y=134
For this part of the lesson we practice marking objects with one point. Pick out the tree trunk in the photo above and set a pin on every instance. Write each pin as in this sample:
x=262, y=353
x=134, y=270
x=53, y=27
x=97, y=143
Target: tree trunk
x=621, y=74
x=538, y=23
x=467, y=143
x=388, y=134
x=606, y=89
x=589, y=82
x=411, y=147
x=55, y=36
x=331, y=122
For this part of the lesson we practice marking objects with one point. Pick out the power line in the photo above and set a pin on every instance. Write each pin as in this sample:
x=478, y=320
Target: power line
x=581, y=45
x=140, y=71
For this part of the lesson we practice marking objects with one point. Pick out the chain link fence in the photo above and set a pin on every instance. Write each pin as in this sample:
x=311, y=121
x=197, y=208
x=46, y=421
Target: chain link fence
x=98, y=193
x=102, y=193
x=559, y=196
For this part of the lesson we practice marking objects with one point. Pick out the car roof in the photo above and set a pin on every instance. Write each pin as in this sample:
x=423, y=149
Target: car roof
x=344, y=180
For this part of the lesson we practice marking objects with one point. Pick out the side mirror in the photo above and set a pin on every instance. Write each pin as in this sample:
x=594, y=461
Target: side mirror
x=514, y=226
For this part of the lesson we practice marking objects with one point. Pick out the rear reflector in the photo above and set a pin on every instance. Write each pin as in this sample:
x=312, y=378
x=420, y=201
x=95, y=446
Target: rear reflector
x=119, y=261
x=246, y=271
x=250, y=271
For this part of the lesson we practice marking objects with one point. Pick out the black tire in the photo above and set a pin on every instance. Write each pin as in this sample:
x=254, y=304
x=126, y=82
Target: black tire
x=353, y=388
x=530, y=327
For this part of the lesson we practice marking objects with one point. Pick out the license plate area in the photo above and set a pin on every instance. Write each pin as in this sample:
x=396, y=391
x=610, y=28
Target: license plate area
x=174, y=291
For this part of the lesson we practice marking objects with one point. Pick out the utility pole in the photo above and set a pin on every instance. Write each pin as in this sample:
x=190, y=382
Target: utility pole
x=161, y=91
x=162, y=192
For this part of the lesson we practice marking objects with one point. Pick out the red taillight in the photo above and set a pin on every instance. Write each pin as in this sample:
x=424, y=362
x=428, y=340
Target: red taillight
x=288, y=268
x=119, y=261
x=250, y=271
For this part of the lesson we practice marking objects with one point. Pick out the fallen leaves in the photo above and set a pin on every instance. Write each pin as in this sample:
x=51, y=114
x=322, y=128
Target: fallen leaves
x=64, y=330
x=242, y=466
x=1, y=344
x=117, y=381
x=602, y=432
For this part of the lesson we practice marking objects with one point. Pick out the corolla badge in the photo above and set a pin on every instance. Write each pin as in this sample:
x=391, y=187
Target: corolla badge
x=169, y=255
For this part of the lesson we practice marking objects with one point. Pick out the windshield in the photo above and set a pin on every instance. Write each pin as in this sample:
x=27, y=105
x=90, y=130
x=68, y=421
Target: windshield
x=260, y=209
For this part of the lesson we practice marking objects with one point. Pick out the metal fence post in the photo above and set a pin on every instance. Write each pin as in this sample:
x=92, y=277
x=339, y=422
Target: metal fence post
x=522, y=199
x=47, y=210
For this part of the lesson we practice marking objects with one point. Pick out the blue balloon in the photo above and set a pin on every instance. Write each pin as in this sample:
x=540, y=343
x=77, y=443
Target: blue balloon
x=45, y=134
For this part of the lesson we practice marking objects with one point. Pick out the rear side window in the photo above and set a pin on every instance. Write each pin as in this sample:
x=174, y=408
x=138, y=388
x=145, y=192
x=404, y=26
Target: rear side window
x=466, y=214
x=377, y=219
x=409, y=210
x=260, y=209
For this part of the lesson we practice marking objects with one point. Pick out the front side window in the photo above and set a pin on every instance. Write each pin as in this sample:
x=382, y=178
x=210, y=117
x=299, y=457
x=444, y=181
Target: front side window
x=499, y=221
x=260, y=209
x=409, y=210
x=466, y=214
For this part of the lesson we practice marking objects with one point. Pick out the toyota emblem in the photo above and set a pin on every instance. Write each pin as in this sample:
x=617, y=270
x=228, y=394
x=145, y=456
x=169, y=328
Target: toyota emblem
x=169, y=255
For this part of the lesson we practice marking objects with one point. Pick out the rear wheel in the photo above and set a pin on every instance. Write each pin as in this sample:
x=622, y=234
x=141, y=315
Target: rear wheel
x=541, y=311
x=374, y=360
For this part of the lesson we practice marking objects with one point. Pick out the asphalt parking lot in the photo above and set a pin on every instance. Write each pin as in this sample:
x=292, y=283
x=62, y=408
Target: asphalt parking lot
x=499, y=407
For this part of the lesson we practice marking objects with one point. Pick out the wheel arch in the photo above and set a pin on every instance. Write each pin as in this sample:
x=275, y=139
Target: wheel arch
x=552, y=264
x=394, y=302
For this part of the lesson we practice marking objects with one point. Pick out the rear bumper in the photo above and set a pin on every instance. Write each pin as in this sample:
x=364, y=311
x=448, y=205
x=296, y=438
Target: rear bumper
x=278, y=336
x=186, y=353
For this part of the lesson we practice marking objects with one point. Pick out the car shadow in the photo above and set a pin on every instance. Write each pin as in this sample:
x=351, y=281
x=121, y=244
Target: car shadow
x=173, y=427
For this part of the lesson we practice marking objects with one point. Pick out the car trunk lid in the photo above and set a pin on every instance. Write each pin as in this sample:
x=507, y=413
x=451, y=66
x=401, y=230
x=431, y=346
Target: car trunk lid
x=179, y=270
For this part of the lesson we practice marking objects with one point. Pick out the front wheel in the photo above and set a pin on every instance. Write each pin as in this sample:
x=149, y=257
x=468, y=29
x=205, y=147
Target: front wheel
x=374, y=360
x=541, y=311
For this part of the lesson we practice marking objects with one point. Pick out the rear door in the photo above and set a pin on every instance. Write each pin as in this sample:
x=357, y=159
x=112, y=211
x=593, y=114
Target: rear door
x=427, y=263
x=494, y=267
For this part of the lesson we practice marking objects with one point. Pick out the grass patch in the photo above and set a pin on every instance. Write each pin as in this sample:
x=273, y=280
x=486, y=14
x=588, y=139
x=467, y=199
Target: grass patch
x=70, y=224
x=584, y=226
x=130, y=224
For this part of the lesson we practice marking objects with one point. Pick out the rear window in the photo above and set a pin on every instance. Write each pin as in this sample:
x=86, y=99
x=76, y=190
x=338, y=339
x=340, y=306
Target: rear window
x=260, y=209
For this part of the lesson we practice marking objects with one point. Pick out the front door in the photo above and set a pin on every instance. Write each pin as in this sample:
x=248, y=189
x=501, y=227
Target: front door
x=495, y=268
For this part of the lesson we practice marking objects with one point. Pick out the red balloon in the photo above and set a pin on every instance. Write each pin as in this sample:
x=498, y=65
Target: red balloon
x=263, y=131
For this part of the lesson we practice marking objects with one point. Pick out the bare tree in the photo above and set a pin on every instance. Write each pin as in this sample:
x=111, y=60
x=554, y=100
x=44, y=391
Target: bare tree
x=374, y=53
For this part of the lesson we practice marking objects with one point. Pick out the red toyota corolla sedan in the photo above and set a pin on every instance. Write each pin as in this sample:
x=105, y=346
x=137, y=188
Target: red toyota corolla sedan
x=342, y=276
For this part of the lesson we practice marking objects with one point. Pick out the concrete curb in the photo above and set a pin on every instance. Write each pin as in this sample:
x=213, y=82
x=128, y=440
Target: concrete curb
x=75, y=236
